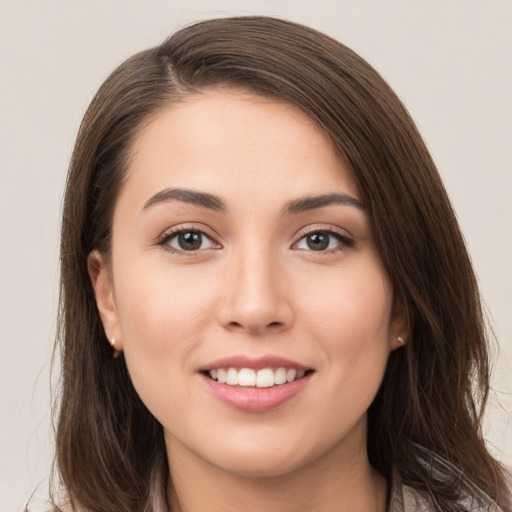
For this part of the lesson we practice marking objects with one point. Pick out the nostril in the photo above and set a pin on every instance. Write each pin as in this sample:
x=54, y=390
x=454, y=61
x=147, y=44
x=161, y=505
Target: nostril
x=254, y=328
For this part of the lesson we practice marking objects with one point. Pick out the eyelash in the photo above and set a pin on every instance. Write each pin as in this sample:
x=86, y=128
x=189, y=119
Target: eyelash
x=169, y=235
x=344, y=241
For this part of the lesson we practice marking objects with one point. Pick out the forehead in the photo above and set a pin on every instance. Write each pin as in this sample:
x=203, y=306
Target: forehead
x=229, y=141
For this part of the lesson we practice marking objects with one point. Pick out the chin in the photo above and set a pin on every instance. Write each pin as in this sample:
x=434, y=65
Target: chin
x=258, y=467
x=260, y=460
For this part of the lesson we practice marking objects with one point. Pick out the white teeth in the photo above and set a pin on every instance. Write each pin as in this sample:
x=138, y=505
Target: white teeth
x=221, y=375
x=280, y=376
x=265, y=378
x=290, y=375
x=232, y=377
x=247, y=377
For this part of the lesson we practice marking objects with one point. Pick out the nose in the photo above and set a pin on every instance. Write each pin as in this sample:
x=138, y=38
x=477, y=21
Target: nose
x=254, y=297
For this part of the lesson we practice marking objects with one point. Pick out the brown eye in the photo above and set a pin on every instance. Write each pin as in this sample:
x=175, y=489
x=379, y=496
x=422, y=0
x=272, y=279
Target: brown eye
x=318, y=241
x=188, y=241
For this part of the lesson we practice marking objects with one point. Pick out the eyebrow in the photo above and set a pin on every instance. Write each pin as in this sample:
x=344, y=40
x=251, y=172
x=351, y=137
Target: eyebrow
x=215, y=203
x=313, y=202
x=187, y=196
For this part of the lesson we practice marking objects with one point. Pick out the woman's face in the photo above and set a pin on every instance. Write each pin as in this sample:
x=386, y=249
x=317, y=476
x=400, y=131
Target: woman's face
x=241, y=247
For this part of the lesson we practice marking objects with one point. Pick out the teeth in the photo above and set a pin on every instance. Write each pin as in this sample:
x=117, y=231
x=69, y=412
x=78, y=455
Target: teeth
x=265, y=378
x=247, y=377
x=221, y=375
x=280, y=376
x=232, y=377
x=290, y=375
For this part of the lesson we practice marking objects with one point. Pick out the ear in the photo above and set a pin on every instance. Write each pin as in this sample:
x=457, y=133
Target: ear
x=101, y=280
x=401, y=323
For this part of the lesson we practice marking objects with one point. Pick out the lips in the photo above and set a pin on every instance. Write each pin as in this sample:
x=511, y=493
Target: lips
x=255, y=384
x=256, y=363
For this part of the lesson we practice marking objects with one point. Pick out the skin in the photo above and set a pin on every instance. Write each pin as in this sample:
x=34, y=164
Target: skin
x=254, y=287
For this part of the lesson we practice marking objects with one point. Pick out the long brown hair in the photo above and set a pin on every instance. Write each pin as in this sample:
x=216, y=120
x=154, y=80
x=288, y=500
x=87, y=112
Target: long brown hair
x=110, y=450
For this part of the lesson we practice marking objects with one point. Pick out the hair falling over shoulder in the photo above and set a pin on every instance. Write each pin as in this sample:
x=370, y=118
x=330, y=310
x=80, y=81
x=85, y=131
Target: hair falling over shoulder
x=110, y=449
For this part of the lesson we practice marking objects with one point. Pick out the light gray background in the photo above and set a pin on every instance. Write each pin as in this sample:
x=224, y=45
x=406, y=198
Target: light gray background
x=449, y=61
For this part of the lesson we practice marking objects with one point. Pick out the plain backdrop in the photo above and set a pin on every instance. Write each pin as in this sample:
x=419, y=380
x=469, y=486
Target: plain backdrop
x=449, y=60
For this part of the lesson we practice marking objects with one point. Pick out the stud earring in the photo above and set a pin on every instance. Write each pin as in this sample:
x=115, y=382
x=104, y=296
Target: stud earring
x=113, y=345
x=399, y=339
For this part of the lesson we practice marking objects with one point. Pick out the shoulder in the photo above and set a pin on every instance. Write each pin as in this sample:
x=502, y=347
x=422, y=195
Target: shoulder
x=405, y=498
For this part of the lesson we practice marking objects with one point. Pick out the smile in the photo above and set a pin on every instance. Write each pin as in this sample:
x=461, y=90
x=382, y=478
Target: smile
x=258, y=384
x=263, y=378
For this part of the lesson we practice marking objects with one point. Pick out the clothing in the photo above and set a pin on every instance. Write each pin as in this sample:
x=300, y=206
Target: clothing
x=408, y=499
x=404, y=498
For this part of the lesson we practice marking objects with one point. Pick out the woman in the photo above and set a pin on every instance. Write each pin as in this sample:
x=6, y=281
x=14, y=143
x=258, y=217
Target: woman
x=255, y=225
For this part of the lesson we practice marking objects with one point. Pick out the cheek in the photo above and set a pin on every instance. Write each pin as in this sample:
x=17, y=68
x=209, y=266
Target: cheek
x=353, y=306
x=351, y=326
x=351, y=321
x=163, y=316
x=160, y=310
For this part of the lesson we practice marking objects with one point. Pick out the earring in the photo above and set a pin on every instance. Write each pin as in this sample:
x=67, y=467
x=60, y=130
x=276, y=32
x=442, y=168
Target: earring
x=116, y=352
x=399, y=339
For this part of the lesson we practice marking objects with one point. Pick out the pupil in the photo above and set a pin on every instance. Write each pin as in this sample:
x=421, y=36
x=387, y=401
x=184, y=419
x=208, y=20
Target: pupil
x=318, y=241
x=190, y=240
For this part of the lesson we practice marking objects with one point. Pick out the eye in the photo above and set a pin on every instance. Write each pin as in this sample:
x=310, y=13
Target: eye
x=323, y=241
x=188, y=240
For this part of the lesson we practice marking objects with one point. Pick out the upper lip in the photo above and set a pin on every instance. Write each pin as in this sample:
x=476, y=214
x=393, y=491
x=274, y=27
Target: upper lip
x=256, y=363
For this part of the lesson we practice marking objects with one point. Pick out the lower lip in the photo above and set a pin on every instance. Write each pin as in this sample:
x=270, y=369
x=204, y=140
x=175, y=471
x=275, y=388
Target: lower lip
x=256, y=399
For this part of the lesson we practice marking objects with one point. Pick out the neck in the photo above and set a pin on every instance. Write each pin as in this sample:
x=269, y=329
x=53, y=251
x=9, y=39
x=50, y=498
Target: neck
x=340, y=480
